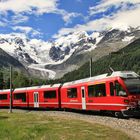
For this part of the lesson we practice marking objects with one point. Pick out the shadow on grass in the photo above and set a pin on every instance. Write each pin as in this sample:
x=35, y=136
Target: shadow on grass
x=3, y=117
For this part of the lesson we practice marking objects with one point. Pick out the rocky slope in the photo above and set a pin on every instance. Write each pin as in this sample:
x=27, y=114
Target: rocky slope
x=6, y=61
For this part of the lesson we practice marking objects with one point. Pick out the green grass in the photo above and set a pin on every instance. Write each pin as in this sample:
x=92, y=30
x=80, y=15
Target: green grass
x=38, y=126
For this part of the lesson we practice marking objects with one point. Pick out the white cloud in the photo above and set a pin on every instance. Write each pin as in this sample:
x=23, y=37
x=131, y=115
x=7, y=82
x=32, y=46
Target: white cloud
x=121, y=19
x=37, y=7
x=13, y=34
x=105, y=4
x=19, y=18
x=67, y=17
x=3, y=21
x=21, y=7
x=24, y=29
x=36, y=33
x=127, y=18
x=27, y=30
x=18, y=6
x=2, y=24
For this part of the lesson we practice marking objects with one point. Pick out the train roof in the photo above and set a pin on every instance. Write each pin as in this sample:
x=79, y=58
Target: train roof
x=125, y=74
x=86, y=80
x=35, y=87
x=122, y=74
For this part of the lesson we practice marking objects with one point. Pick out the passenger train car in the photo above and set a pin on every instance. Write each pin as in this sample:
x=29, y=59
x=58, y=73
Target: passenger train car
x=118, y=93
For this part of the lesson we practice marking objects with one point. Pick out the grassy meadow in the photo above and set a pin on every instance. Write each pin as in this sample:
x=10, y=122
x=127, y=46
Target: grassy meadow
x=39, y=126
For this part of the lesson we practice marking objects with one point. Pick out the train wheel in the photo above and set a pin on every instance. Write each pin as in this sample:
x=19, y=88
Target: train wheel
x=119, y=115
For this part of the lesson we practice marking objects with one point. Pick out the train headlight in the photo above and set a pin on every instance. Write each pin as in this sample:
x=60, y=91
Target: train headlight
x=126, y=101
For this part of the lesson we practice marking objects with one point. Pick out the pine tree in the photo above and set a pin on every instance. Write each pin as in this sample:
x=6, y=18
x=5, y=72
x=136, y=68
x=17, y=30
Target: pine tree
x=1, y=81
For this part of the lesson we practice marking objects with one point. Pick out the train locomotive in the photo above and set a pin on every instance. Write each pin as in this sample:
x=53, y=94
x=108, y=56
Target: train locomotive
x=117, y=93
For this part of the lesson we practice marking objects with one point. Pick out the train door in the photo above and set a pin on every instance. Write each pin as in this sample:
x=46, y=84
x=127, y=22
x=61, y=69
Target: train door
x=36, y=99
x=83, y=98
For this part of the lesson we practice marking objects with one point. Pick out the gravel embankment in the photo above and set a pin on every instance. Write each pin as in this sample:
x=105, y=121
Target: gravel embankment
x=130, y=126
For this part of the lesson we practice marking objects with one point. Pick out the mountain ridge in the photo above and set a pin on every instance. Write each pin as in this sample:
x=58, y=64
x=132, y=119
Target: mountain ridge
x=54, y=59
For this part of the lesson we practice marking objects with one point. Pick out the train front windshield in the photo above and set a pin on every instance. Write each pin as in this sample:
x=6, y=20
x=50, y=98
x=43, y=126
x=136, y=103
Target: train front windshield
x=133, y=85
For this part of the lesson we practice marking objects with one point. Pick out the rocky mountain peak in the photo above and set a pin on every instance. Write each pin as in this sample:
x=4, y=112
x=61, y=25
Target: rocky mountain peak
x=40, y=54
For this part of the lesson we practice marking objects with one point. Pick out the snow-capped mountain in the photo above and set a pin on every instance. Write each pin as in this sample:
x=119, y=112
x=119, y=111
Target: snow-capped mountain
x=39, y=52
x=61, y=55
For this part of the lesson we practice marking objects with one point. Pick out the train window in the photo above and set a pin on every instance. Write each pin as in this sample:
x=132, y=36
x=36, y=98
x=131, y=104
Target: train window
x=119, y=90
x=83, y=93
x=96, y=90
x=111, y=89
x=91, y=91
x=50, y=94
x=3, y=96
x=72, y=93
x=20, y=96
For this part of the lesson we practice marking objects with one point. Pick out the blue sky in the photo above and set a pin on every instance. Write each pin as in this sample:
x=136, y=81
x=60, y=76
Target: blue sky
x=51, y=19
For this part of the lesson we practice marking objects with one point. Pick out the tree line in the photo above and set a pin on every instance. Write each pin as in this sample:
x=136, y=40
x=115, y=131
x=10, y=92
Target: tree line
x=18, y=80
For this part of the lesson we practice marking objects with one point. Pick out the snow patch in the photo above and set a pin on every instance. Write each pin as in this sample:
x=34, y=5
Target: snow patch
x=95, y=35
x=50, y=72
x=98, y=39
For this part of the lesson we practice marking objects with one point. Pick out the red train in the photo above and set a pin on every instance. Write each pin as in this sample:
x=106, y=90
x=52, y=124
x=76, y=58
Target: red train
x=118, y=93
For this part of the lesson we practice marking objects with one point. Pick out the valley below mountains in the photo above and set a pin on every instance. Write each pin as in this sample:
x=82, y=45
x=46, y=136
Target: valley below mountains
x=53, y=59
